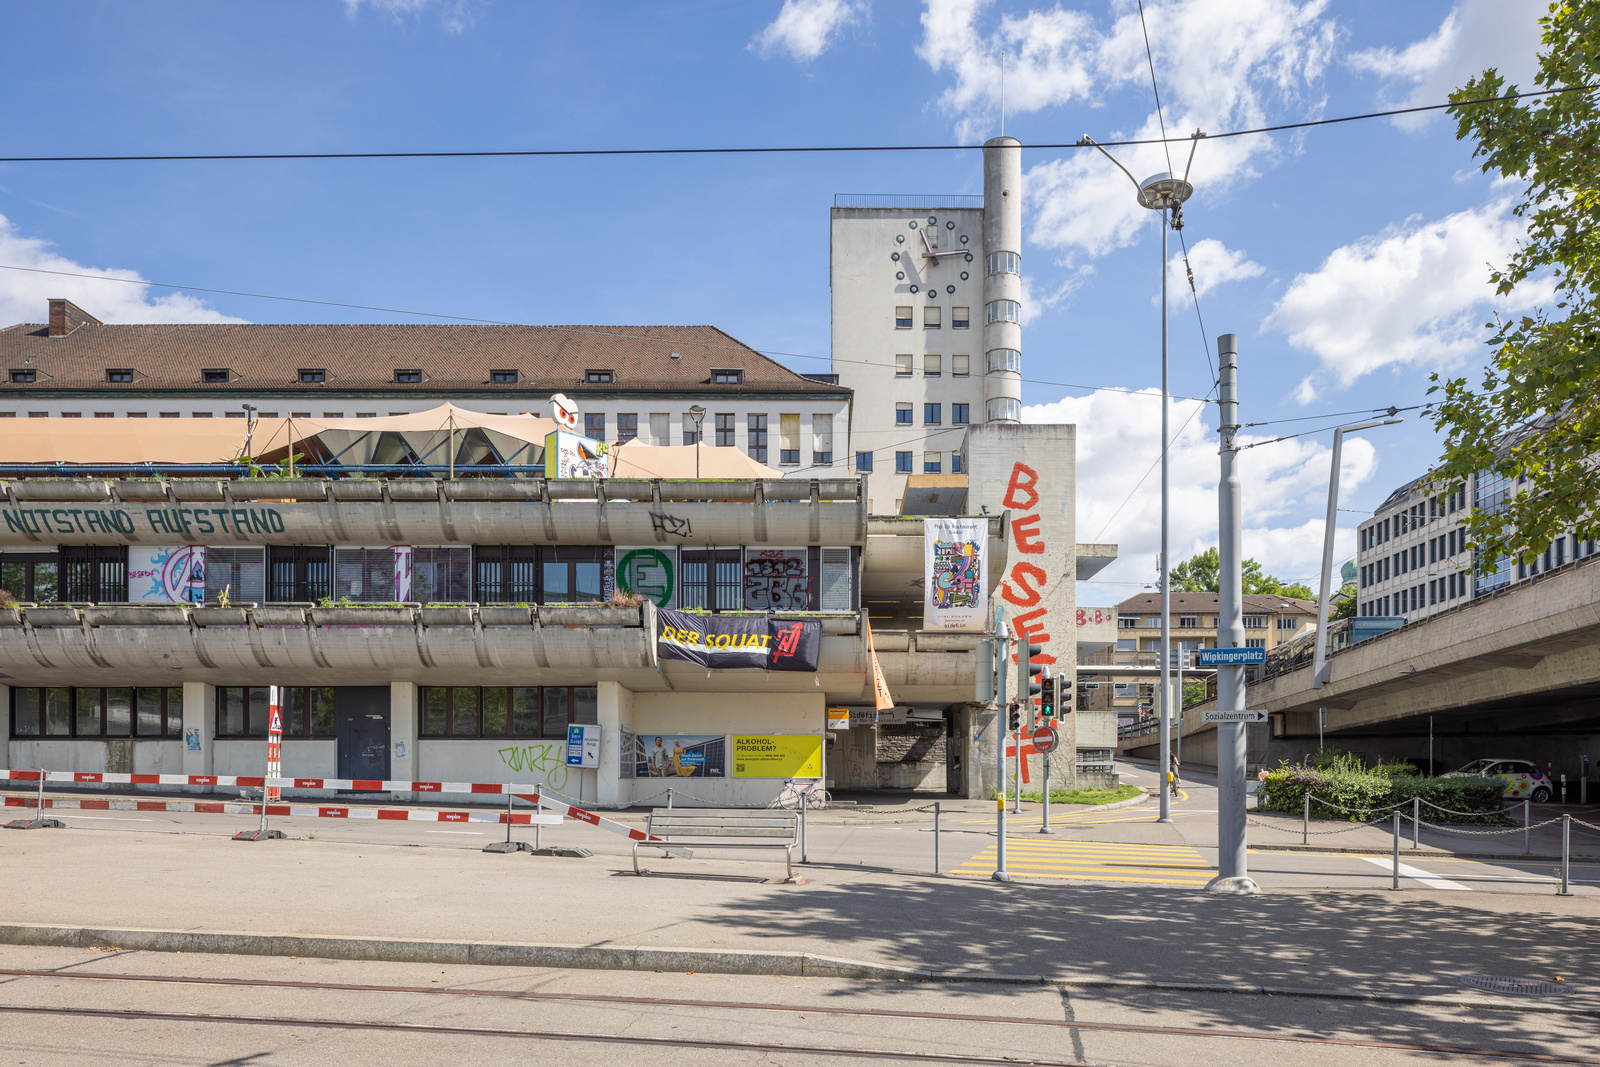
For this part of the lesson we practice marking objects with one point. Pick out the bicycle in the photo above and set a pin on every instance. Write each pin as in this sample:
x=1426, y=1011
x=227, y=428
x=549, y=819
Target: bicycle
x=791, y=796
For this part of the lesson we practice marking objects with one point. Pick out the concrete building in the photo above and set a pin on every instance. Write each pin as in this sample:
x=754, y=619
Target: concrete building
x=927, y=305
x=662, y=385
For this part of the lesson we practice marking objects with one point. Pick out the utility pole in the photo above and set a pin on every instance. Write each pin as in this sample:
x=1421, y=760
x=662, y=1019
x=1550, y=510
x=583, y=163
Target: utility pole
x=1233, y=874
x=1002, y=709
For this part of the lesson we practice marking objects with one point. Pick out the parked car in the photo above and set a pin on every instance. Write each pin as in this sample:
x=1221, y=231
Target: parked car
x=1523, y=778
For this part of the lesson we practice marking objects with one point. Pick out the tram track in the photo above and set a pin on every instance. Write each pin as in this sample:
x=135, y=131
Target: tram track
x=679, y=1002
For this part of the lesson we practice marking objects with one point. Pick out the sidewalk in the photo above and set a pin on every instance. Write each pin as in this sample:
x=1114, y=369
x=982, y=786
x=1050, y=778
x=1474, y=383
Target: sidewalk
x=1415, y=943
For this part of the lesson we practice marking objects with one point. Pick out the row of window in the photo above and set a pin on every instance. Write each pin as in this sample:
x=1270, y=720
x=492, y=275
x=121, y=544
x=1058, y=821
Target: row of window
x=932, y=366
x=725, y=427
x=904, y=462
x=402, y=375
x=1444, y=547
x=505, y=711
x=933, y=414
x=97, y=712
x=1194, y=622
x=1452, y=586
x=932, y=317
x=1414, y=517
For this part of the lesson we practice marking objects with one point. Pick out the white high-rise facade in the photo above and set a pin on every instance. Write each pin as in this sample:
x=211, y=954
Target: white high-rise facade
x=927, y=303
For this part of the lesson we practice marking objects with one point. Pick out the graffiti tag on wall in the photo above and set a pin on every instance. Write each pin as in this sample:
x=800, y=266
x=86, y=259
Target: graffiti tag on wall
x=1025, y=584
x=775, y=579
x=548, y=760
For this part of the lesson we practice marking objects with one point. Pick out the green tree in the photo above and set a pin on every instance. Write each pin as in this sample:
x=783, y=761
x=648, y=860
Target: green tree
x=1536, y=415
x=1201, y=573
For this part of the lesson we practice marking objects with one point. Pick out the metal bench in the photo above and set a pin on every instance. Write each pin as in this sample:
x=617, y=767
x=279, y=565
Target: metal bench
x=680, y=829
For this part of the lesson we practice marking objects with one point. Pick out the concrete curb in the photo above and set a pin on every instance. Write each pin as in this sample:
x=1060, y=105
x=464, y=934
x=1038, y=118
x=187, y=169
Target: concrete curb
x=653, y=958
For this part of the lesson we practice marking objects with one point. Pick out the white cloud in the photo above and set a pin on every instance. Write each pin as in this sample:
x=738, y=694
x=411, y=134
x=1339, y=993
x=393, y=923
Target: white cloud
x=1414, y=294
x=1222, y=63
x=454, y=15
x=1476, y=35
x=1119, y=442
x=806, y=28
x=1214, y=264
x=24, y=295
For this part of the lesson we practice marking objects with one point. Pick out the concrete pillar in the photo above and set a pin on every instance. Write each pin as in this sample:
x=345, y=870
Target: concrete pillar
x=614, y=712
x=199, y=717
x=5, y=749
x=403, y=765
x=1002, y=232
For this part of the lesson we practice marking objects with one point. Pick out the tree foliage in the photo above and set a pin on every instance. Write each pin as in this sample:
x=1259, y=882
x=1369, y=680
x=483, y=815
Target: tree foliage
x=1535, y=416
x=1202, y=573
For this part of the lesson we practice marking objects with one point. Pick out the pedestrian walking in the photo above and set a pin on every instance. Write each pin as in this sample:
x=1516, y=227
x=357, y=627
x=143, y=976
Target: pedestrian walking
x=1172, y=775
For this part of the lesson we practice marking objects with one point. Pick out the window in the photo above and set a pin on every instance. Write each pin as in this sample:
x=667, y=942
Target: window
x=902, y=464
x=365, y=575
x=119, y=374
x=1002, y=311
x=726, y=429
x=96, y=574
x=835, y=581
x=597, y=377
x=24, y=377
x=958, y=414
x=503, y=377
x=1255, y=622
x=72, y=414
x=932, y=414
x=627, y=427
x=822, y=440
x=902, y=365
x=240, y=572
x=1255, y=642
x=930, y=318
x=756, y=438
x=297, y=414
x=504, y=711
x=115, y=711
x=1004, y=359
x=312, y=375
x=1003, y=263
x=405, y=377
x=594, y=425
x=788, y=439
x=1005, y=409
x=1152, y=621
x=660, y=428
x=1188, y=622
x=931, y=462
x=931, y=366
x=727, y=377
x=29, y=576
x=45, y=414
x=902, y=414
x=693, y=427
x=960, y=366
x=1288, y=623
x=711, y=580
x=571, y=575
x=863, y=463
x=959, y=318
x=225, y=414
x=505, y=574
x=439, y=575
x=113, y=414
x=216, y=376
x=325, y=414
x=308, y=711
x=1127, y=622
x=297, y=573
x=902, y=318
x=957, y=465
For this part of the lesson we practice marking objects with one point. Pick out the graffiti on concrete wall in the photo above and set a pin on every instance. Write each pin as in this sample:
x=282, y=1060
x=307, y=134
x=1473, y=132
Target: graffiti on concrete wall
x=1026, y=582
x=775, y=579
x=547, y=760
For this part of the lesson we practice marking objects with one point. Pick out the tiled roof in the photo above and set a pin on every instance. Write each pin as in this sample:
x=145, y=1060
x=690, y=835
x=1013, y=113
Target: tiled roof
x=267, y=358
x=1187, y=603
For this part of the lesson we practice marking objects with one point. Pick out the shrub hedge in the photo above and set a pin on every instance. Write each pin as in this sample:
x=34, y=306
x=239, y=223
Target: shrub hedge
x=1370, y=795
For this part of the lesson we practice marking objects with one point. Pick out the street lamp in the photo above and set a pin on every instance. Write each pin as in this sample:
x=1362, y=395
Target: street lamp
x=698, y=414
x=249, y=429
x=1319, y=669
x=1166, y=194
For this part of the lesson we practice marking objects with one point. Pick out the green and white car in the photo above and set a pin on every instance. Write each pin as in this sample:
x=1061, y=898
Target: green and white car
x=1524, y=779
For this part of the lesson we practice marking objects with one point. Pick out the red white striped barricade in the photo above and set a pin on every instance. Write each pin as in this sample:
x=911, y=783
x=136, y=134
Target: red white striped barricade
x=304, y=811
x=274, y=745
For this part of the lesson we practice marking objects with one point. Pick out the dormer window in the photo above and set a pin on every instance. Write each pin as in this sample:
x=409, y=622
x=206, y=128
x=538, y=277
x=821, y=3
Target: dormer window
x=727, y=377
x=408, y=377
x=599, y=377
x=120, y=374
x=503, y=377
x=24, y=377
x=216, y=376
x=313, y=376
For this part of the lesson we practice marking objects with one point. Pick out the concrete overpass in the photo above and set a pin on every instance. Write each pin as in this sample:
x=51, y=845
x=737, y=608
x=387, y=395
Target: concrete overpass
x=1514, y=674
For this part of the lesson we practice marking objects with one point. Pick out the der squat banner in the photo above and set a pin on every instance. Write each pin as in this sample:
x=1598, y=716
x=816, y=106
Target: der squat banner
x=726, y=641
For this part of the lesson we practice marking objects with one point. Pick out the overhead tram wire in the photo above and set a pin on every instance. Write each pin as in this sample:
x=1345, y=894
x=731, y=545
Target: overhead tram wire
x=772, y=150
x=506, y=322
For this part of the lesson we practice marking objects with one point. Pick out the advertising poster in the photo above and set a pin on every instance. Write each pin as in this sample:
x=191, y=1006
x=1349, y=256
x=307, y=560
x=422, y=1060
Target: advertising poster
x=167, y=575
x=781, y=756
x=724, y=641
x=652, y=572
x=956, y=563
x=566, y=455
x=674, y=756
x=776, y=579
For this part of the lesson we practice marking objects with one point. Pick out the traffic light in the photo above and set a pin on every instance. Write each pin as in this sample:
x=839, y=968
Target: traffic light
x=1015, y=719
x=1064, y=695
x=983, y=673
x=1033, y=670
x=1047, y=700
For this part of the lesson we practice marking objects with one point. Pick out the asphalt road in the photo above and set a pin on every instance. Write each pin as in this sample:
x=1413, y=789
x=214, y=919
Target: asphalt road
x=120, y=1009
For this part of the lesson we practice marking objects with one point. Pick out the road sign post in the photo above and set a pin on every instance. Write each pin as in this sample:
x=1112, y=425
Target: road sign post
x=1044, y=739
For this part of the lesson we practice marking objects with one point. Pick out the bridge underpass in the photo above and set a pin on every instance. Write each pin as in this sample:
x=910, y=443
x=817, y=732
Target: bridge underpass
x=1514, y=675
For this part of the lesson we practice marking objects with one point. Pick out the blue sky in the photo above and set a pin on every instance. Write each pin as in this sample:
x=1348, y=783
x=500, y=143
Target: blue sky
x=1351, y=260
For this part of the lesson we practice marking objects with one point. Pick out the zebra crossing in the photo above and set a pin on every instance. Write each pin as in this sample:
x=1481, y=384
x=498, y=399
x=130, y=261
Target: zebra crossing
x=1096, y=861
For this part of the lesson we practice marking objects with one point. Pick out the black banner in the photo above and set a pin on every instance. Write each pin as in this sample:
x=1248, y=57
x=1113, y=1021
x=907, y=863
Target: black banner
x=729, y=641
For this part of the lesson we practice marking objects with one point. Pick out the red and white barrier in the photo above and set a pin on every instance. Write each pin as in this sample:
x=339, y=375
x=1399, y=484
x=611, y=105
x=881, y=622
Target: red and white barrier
x=111, y=778
x=563, y=808
x=300, y=811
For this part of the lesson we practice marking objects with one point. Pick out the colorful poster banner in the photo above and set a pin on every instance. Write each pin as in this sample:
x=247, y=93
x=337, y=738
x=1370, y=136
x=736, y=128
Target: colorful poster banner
x=174, y=575
x=956, y=563
x=566, y=455
x=674, y=756
x=729, y=642
x=783, y=756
